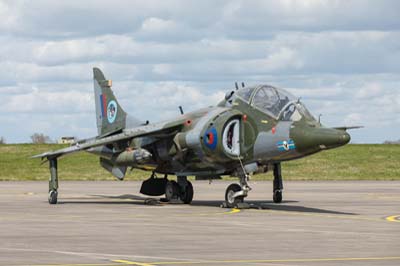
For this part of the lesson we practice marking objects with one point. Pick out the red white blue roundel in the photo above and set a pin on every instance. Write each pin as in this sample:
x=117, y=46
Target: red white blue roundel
x=112, y=110
x=211, y=138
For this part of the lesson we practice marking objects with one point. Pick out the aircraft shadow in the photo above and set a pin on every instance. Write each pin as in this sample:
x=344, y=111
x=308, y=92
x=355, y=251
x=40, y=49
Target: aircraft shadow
x=270, y=205
x=128, y=199
x=250, y=204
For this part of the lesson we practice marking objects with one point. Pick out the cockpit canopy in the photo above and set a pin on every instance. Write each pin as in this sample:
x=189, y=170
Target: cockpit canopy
x=275, y=102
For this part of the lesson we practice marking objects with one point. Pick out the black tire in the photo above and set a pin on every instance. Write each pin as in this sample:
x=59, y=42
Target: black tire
x=53, y=197
x=187, y=193
x=229, y=200
x=277, y=196
x=171, y=190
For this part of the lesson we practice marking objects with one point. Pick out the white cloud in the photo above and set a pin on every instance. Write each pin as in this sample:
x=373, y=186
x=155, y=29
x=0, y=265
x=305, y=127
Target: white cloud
x=157, y=26
x=354, y=119
x=369, y=90
x=318, y=93
x=56, y=102
x=162, y=69
x=161, y=100
x=341, y=57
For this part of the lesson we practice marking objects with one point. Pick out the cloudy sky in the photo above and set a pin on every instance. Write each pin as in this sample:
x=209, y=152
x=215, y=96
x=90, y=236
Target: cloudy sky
x=341, y=57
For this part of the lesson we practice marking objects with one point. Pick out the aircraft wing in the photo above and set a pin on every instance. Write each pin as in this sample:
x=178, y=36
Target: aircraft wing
x=159, y=130
x=58, y=153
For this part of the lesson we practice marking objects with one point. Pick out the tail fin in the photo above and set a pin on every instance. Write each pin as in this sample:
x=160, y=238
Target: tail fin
x=110, y=116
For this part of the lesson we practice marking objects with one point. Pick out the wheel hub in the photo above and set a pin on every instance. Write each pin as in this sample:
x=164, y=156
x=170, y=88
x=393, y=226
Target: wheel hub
x=231, y=198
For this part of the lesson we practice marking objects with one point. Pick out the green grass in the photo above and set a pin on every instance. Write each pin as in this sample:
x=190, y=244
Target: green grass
x=352, y=162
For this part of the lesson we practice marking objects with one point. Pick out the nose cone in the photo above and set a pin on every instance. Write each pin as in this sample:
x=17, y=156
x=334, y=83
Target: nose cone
x=317, y=138
x=345, y=138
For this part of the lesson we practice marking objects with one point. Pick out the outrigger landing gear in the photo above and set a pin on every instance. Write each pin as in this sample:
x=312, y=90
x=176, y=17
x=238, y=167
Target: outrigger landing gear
x=183, y=190
x=278, y=183
x=53, y=181
x=236, y=193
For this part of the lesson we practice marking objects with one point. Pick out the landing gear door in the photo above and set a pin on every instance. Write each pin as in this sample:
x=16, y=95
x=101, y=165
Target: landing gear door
x=231, y=138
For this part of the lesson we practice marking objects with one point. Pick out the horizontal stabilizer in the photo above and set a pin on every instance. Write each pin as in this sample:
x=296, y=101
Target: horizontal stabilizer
x=347, y=128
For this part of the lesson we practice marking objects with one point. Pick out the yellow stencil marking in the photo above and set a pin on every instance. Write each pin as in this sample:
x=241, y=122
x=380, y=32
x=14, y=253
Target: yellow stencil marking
x=264, y=121
x=394, y=218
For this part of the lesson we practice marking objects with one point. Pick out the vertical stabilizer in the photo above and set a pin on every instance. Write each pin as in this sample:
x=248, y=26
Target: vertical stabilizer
x=110, y=116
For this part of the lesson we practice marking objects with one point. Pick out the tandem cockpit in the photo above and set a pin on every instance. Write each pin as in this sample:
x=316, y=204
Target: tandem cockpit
x=275, y=102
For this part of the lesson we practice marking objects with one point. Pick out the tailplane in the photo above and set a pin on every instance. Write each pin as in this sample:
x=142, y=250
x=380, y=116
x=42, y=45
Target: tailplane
x=110, y=116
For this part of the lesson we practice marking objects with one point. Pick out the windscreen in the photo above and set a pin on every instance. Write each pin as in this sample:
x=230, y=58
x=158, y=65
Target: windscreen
x=272, y=100
x=295, y=111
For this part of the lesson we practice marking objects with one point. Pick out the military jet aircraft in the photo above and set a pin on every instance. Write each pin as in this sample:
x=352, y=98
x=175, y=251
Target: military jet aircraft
x=251, y=131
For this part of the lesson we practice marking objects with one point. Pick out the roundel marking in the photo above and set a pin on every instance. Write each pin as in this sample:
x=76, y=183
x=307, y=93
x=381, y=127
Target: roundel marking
x=211, y=138
x=112, y=110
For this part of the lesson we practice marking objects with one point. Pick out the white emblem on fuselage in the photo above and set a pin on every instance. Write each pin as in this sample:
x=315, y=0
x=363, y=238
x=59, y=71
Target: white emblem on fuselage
x=285, y=145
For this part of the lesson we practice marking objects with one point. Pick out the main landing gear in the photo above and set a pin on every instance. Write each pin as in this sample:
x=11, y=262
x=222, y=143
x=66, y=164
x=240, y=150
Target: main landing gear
x=173, y=190
x=235, y=193
x=183, y=190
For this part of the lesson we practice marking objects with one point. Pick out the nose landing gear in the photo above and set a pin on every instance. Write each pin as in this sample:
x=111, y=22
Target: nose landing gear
x=230, y=200
x=236, y=193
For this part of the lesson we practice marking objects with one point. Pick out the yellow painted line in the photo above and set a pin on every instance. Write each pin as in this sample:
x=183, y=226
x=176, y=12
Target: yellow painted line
x=272, y=261
x=393, y=218
x=234, y=210
x=127, y=262
x=338, y=216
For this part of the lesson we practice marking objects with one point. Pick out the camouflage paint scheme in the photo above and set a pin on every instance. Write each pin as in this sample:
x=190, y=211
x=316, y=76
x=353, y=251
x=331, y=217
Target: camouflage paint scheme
x=252, y=130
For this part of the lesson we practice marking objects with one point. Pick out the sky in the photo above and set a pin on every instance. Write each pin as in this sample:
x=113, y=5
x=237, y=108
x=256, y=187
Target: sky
x=341, y=57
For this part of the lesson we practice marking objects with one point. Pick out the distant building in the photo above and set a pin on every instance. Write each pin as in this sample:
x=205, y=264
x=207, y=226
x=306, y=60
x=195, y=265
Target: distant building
x=392, y=142
x=66, y=140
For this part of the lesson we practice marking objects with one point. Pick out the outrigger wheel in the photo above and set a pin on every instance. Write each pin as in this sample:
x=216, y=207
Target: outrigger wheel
x=53, y=197
x=53, y=181
x=277, y=196
x=230, y=200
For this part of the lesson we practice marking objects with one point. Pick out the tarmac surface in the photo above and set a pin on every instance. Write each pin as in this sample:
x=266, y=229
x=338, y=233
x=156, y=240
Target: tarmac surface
x=110, y=223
